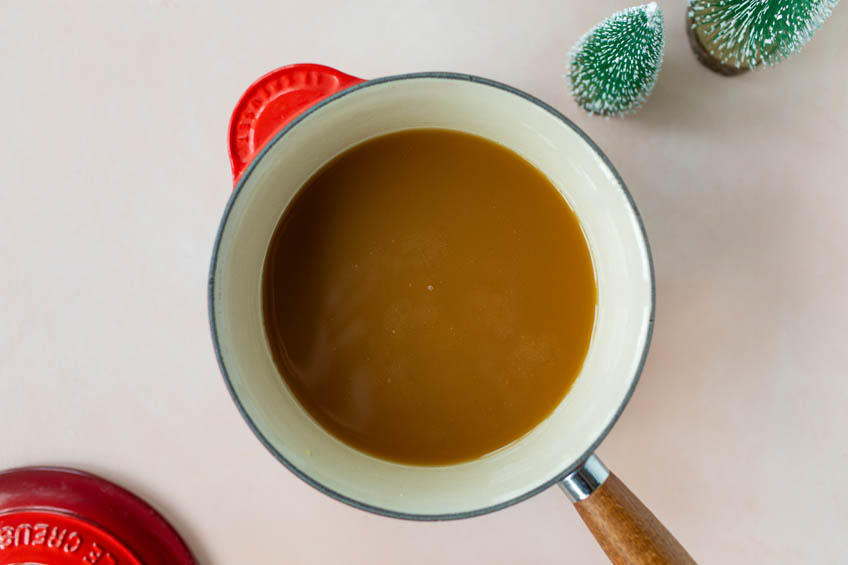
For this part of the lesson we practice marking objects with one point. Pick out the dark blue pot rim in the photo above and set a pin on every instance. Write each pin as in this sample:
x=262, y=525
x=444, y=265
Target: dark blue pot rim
x=211, y=297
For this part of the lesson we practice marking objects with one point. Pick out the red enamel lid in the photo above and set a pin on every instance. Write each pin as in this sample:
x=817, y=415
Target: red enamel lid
x=57, y=516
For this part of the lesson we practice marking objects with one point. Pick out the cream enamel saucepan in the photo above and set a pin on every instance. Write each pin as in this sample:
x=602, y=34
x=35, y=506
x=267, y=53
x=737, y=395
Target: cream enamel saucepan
x=297, y=118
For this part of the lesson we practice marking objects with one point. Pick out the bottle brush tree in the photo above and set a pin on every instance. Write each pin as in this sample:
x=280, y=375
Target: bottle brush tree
x=733, y=36
x=613, y=67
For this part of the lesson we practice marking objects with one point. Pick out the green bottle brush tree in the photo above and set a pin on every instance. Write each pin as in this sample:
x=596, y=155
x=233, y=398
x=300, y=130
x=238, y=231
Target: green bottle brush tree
x=733, y=36
x=614, y=66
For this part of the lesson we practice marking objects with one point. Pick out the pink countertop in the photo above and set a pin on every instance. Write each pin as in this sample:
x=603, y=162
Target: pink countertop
x=115, y=176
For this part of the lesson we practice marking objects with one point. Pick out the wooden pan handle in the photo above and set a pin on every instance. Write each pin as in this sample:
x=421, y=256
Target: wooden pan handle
x=626, y=530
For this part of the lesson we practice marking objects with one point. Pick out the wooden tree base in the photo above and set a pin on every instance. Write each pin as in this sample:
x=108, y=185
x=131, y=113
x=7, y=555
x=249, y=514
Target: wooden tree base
x=704, y=56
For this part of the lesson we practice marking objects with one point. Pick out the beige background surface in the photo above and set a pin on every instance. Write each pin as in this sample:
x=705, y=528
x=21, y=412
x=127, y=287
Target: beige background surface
x=115, y=174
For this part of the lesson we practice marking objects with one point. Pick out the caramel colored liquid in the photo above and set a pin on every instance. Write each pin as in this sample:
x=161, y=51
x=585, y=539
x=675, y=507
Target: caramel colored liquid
x=429, y=297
